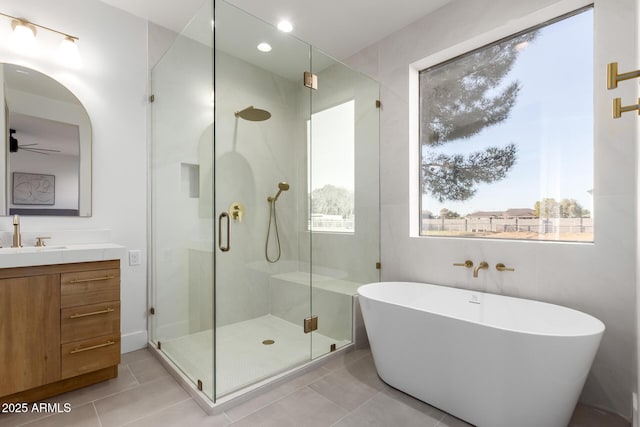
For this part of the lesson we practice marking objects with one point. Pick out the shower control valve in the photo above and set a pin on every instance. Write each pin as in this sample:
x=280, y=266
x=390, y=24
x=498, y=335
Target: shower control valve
x=237, y=211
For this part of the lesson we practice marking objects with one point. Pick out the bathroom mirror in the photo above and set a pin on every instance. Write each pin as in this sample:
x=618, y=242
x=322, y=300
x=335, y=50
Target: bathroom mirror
x=47, y=157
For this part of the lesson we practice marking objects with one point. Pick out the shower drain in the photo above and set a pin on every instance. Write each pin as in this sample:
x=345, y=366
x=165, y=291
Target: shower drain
x=268, y=342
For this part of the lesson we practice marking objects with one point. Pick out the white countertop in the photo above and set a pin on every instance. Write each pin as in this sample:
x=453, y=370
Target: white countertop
x=59, y=254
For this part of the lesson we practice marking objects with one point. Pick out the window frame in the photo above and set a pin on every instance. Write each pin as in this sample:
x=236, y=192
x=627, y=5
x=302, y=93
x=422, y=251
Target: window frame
x=449, y=55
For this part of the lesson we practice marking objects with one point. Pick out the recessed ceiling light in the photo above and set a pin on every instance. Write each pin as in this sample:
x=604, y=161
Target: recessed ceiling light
x=264, y=47
x=285, y=26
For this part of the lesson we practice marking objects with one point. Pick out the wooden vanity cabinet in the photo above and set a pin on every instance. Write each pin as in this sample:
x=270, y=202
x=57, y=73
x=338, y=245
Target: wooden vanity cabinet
x=29, y=332
x=59, y=328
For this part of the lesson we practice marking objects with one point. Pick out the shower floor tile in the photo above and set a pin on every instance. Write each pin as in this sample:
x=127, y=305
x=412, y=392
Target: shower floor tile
x=242, y=358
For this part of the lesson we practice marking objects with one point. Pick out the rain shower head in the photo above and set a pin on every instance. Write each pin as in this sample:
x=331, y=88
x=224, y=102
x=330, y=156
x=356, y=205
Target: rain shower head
x=253, y=114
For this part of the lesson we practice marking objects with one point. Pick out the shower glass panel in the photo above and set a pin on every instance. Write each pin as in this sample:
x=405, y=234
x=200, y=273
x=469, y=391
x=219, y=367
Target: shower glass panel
x=262, y=293
x=344, y=197
x=181, y=201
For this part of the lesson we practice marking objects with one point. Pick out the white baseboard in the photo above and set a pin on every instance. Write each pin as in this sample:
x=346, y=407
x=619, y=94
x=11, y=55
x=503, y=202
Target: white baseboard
x=133, y=341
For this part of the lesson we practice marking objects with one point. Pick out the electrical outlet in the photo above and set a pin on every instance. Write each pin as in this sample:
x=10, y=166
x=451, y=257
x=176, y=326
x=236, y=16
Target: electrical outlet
x=135, y=257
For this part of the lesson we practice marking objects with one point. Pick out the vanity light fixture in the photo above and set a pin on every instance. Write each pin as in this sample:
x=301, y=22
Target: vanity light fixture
x=68, y=53
x=24, y=40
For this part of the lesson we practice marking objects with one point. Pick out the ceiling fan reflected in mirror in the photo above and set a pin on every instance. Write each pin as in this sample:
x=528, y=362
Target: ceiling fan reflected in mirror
x=14, y=146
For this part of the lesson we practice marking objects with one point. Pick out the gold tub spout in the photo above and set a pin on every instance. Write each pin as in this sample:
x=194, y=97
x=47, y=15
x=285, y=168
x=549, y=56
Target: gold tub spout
x=483, y=265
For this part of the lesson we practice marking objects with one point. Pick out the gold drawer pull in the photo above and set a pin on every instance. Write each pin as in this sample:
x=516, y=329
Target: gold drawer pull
x=93, y=313
x=94, y=279
x=93, y=347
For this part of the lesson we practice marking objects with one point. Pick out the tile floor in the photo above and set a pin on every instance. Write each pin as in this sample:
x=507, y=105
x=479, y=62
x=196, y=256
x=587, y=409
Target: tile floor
x=344, y=392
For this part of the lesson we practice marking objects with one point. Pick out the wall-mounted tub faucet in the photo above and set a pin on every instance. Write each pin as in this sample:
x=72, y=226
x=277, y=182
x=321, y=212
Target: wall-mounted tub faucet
x=482, y=266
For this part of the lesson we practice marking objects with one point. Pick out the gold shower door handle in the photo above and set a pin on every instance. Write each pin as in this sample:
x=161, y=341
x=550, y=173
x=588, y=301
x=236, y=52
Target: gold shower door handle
x=226, y=247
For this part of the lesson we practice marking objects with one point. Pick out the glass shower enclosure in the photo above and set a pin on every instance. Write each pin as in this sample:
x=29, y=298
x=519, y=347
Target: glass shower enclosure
x=264, y=201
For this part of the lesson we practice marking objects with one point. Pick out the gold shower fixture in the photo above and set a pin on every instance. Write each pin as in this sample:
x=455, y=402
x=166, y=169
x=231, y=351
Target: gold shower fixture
x=613, y=77
x=253, y=114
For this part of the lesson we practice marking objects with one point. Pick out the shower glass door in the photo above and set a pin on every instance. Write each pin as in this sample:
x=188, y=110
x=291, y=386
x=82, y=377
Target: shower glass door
x=181, y=181
x=262, y=253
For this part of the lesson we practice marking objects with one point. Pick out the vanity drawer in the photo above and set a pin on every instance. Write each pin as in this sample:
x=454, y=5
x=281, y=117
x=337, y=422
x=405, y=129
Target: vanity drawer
x=89, y=287
x=88, y=321
x=90, y=355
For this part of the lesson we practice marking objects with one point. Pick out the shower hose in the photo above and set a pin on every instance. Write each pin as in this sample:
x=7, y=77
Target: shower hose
x=272, y=215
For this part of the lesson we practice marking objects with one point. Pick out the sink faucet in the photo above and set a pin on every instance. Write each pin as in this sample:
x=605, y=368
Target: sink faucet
x=482, y=266
x=17, y=237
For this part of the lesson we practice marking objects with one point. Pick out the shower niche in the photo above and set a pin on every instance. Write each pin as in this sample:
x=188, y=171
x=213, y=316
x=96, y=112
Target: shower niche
x=271, y=241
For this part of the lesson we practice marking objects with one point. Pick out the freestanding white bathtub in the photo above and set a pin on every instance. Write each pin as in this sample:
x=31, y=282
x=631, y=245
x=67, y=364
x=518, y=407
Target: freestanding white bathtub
x=491, y=360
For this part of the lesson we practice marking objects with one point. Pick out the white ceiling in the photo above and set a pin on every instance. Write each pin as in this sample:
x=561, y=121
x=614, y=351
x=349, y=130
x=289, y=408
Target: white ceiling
x=337, y=27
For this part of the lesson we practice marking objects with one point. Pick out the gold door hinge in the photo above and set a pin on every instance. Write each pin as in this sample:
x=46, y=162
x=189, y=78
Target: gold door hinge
x=378, y=103
x=332, y=347
x=200, y=385
x=152, y=98
x=310, y=324
x=152, y=310
x=378, y=265
x=159, y=346
x=310, y=80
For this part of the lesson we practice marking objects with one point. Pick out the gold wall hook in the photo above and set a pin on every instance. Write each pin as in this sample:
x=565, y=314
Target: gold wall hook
x=618, y=109
x=501, y=267
x=613, y=77
x=468, y=263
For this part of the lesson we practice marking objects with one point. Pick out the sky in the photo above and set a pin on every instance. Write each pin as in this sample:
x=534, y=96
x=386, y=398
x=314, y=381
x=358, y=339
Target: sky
x=551, y=125
x=332, y=148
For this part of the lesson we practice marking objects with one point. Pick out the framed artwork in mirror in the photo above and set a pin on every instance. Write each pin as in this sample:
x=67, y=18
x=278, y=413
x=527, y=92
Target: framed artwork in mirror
x=33, y=189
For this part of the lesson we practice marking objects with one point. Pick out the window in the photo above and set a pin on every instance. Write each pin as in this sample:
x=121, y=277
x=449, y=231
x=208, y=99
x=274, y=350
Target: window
x=506, y=145
x=331, y=145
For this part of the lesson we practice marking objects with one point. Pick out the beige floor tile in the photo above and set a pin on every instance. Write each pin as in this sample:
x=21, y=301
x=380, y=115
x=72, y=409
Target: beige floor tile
x=76, y=398
x=587, y=416
x=139, y=402
x=124, y=381
x=351, y=386
x=305, y=408
x=146, y=370
x=18, y=419
x=268, y=397
x=343, y=360
x=134, y=356
x=392, y=408
x=187, y=413
x=451, y=421
x=82, y=416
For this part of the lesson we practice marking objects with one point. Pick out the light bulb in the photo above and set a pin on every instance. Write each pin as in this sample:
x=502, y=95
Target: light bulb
x=68, y=53
x=264, y=47
x=285, y=26
x=23, y=39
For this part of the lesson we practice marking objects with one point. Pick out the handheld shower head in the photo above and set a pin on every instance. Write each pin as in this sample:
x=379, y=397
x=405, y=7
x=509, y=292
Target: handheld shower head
x=282, y=186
